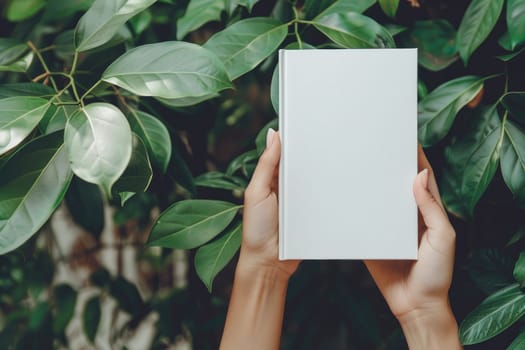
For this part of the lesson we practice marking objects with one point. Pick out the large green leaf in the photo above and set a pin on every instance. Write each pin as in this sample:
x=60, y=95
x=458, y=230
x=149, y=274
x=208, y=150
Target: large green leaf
x=190, y=223
x=98, y=142
x=198, y=13
x=91, y=318
x=436, y=43
x=518, y=343
x=344, y=6
x=245, y=44
x=211, y=258
x=476, y=25
x=86, y=205
x=513, y=160
x=18, y=117
x=437, y=111
x=514, y=102
x=137, y=176
x=56, y=118
x=25, y=89
x=490, y=269
x=155, y=136
x=59, y=9
x=495, y=314
x=20, y=66
x=32, y=184
x=216, y=179
x=65, y=299
x=104, y=19
x=353, y=30
x=473, y=160
x=126, y=294
x=170, y=70
x=389, y=7
x=19, y=10
x=519, y=270
x=243, y=162
x=516, y=21
x=11, y=50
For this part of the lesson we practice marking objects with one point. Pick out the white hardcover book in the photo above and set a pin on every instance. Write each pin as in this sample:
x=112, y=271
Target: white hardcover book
x=348, y=125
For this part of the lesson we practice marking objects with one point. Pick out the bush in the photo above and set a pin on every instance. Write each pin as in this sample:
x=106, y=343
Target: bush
x=164, y=104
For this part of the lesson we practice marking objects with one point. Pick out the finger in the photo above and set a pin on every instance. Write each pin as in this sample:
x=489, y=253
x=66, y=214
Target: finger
x=423, y=163
x=431, y=210
x=263, y=177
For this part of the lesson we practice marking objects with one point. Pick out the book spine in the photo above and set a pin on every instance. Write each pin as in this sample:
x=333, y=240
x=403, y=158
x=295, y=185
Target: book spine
x=282, y=177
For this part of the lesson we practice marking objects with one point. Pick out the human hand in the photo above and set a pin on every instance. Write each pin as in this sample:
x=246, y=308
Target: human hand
x=260, y=238
x=417, y=290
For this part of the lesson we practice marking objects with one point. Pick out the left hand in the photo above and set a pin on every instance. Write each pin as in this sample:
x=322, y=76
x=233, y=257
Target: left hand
x=260, y=238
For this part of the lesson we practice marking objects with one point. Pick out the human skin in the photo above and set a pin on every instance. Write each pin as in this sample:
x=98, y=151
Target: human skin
x=416, y=291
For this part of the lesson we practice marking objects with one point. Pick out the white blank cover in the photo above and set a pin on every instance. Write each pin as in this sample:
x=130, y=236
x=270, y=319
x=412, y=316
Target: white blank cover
x=348, y=123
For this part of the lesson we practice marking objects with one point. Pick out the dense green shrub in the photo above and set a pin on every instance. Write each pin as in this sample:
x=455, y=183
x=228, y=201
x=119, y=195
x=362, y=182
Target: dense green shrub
x=144, y=104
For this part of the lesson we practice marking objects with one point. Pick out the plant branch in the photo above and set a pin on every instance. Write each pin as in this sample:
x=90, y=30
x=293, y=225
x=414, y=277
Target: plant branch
x=296, y=27
x=43, y=63
x=89, y=90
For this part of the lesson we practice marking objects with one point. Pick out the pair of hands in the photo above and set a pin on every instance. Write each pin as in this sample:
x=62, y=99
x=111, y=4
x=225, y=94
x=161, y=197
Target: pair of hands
x=416, y=291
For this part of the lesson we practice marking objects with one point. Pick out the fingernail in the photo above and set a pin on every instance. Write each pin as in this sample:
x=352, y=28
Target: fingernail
x=269, y=137
x=425, y=178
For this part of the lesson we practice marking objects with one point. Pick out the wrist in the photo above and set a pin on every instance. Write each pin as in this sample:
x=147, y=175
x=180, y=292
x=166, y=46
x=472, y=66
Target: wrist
x=250, y=267
x=434, y=327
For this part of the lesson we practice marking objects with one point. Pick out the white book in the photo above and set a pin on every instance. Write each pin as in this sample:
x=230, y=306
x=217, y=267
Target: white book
x=348, y=124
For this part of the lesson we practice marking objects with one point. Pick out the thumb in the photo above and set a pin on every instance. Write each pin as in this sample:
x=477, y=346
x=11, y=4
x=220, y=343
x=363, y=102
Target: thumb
x=429, y=206
x=262, y=178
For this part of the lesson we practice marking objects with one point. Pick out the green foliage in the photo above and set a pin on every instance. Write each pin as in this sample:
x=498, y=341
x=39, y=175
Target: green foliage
x=107, y=93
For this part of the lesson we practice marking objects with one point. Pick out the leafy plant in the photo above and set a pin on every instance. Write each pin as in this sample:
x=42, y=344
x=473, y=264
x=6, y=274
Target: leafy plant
x=120, y=102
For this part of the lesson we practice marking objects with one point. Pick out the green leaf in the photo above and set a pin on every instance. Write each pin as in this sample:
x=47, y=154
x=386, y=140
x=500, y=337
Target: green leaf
x=245, y=44
x=56, y=118
x=513, y=160
x=260, y=139
x=248, y=4
x=91, y=318
x=505, y=42
x=65, y=299
x=98, y=142
x=353, y=30
x=395, y=29
x=510, y=56
x=19, y=10
x=490, y=269
x=126, y=294
x=178, y=168
x=198, y=13
x=155, y=136
x=473, y=160
x=517, y=236
x=33, y=182
x=215, y=179
x=516, y=21
x=18, y=117
x=437, y=111
x=344, y=6
x=211, y=258
x=137, y=176
x=11, y=50
x=170, y=70
x=25, y=89
x=190, y=223
x=186, y=101
x=141, y=22
x=476, y=25
x=514, y=102
x=104, y=19
x=389, y=7
x=436, y=43
x=495, y=314
x=422, y=90
x=86, y=205
x=19, y=66
x=58, y=9
x=518, y=343
x=519, y=270
x=241, y=162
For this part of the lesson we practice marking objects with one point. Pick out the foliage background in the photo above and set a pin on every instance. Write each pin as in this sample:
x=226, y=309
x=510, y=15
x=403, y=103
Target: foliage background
x=330, y=304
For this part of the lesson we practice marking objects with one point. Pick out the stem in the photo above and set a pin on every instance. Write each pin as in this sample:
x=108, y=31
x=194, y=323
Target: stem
x=89, y=90
x=74, y=65
x=296, y=27
x=43, y=63
x=75, y=92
